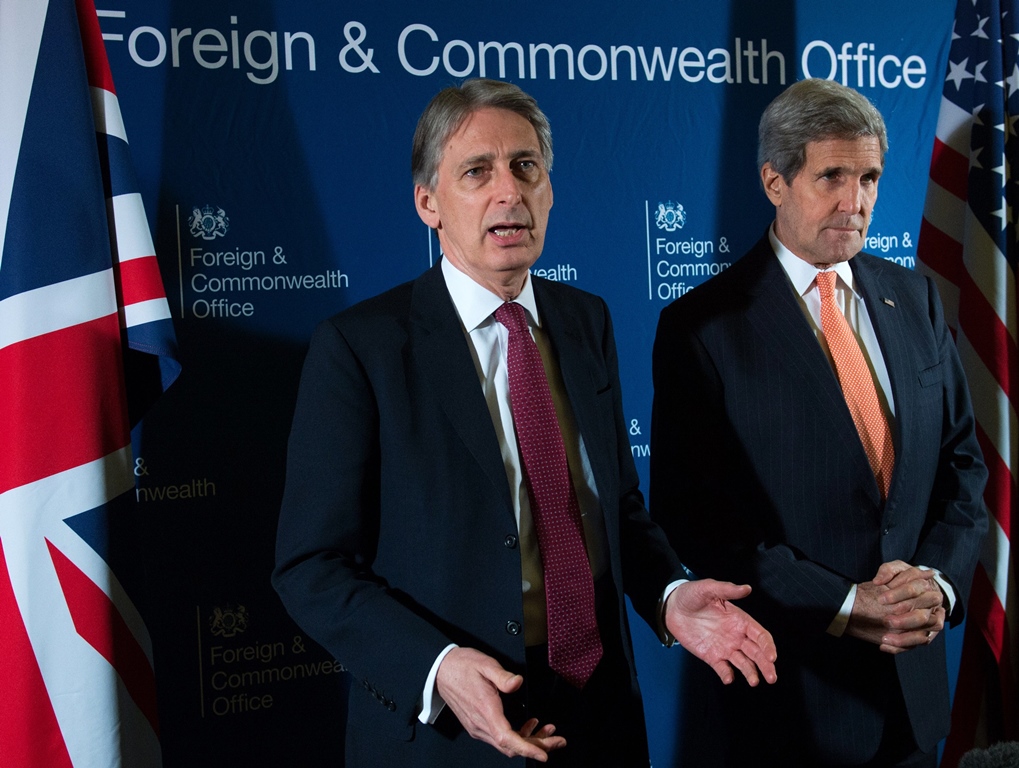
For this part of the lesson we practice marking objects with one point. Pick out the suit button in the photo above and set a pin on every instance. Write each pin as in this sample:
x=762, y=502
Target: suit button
x=885, y=532
x=510, y=541
x=391, y=706
x=513, y=627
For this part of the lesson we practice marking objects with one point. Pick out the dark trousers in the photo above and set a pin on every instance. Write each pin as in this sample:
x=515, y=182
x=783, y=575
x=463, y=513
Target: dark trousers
x=603, y=723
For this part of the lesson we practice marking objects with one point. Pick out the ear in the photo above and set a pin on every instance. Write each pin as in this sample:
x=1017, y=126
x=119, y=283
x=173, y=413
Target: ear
x=424, y=201
x=773, y=183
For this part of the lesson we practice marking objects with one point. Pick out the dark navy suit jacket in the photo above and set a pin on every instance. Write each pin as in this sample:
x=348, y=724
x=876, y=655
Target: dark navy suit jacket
x=397, y=535
x=758, y=475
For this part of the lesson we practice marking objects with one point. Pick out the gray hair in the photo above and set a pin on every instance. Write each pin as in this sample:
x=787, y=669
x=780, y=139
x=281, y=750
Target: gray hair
x=814, y=110
x=452, y=106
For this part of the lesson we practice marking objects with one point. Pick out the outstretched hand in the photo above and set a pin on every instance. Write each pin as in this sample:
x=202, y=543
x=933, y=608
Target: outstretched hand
x=470, y=683
x=701, y=617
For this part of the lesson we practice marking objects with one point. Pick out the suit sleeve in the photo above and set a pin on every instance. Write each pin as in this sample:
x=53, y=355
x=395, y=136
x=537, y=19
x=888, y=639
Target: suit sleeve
x=649, y=563
x=329, y=528
x=956, y=518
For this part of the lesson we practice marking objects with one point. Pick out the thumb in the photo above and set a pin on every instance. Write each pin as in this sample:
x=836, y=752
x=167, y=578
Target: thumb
x=726, y=590
x=503, y=679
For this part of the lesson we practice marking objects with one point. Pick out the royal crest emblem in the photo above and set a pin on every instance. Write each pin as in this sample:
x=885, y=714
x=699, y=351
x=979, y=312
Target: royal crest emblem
x=208, y=223
x=227, y=622
x=670, y=216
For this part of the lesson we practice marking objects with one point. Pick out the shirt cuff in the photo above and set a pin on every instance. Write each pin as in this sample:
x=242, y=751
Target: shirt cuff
x=431, y=702
x=950, y=597
x=841, y=621
x=663, y=633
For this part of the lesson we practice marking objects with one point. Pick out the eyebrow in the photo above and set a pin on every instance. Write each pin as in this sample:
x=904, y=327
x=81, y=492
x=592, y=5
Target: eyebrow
x=488, y=157
x=872, y=171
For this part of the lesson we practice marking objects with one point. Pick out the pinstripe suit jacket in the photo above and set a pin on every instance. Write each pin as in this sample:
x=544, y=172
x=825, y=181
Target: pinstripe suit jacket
x=758, y=476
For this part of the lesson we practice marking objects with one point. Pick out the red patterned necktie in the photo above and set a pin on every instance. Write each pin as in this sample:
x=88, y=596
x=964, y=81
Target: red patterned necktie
x=857, y=385
x=574, y=645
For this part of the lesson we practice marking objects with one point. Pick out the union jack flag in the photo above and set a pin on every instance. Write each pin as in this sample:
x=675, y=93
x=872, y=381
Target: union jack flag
x=968, y=243
x=83, y=322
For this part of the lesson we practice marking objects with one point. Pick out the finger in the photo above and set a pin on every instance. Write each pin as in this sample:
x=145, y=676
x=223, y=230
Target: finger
x=903, y=641
x=512, y=744
x=724, y=671
x=908, y=573
x=527, y=729
x=923, y=593
x=726, y=590
x=504, y=680
x=544, y=732
x=918, y=619
x=891, y=649
x=765, y=644
x=746, y=666
x=764, y=657
x=887, y=571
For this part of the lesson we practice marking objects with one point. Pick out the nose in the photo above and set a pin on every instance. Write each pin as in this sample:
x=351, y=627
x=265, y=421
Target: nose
x=851, y=197
x=507, y=187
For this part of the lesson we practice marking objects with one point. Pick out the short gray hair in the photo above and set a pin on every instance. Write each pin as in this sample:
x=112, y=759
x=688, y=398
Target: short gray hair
x=452, y=106
x=814, y=110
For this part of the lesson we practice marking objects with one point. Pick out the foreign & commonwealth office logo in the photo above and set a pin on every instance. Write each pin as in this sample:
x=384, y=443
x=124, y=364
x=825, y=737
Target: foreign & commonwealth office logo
x=229, y=621
x=670, y=216
x=208, y=223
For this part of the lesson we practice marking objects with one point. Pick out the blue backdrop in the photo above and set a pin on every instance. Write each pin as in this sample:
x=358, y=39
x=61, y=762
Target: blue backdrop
x=272, y=144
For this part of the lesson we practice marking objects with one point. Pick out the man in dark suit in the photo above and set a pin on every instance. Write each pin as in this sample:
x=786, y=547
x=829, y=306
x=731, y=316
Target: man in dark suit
x=414, y=536
x=813, y=436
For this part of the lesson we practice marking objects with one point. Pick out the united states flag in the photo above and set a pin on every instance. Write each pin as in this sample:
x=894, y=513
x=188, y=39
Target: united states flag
x=968, y=243
x=83, y=323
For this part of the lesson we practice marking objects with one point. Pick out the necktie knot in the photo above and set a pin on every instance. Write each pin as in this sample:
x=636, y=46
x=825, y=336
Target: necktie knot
x=513, y=316
x=826, y=285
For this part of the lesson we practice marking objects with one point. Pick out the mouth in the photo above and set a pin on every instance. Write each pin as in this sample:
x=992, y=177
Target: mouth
x=846, y=227
x=508, y=233
x=505, y=230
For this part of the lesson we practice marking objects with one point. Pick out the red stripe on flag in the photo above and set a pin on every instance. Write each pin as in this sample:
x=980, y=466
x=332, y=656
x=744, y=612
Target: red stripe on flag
x=65, y=403
x=987, y=335
x=949, y=169
x=96, y=63
x=986, y=621
x=940, y=252
x=139, y=280
x=986, y=609
x=1001, y=488
x=100, y=624
x=29, y=731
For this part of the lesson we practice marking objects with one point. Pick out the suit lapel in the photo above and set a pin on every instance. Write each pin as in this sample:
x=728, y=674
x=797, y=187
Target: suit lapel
x=778, y=320
x=583, y=373
x=889, y=322
x=441, y=353
x=578, y=364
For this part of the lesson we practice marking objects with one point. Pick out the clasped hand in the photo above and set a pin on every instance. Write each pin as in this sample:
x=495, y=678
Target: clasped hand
x=900, y=608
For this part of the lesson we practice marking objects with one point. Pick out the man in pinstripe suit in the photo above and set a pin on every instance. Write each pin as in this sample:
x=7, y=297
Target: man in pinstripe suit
x=760, y=474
